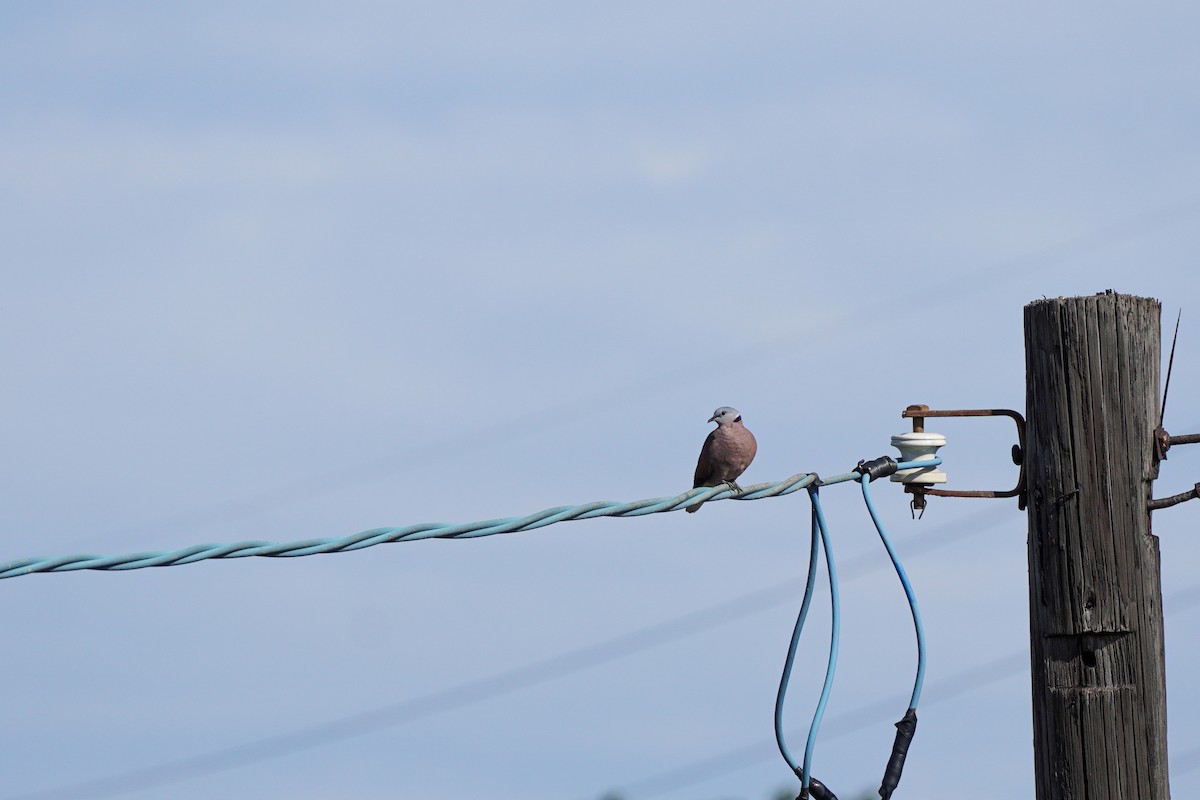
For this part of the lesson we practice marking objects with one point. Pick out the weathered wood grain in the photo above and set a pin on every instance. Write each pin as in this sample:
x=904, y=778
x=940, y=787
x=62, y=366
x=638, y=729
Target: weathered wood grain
x=1095, y=610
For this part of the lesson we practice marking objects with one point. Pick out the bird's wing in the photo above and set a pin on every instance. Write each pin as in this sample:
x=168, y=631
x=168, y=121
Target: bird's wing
x=704, y=466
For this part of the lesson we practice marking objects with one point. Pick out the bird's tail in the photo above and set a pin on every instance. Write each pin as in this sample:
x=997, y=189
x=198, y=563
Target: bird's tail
x=693, y=509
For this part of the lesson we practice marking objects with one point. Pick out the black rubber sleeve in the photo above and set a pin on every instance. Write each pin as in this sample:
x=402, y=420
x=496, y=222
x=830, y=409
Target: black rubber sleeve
x=905, y=729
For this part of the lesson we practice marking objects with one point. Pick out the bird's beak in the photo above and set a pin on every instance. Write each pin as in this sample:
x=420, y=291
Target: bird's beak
x=713, y=418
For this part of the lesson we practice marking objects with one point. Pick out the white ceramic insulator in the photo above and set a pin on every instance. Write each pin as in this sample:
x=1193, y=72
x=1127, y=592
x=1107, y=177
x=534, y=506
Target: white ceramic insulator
x=919, y=447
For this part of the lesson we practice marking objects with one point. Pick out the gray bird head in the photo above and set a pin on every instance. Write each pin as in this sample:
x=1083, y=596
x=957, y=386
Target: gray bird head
x=725, y=415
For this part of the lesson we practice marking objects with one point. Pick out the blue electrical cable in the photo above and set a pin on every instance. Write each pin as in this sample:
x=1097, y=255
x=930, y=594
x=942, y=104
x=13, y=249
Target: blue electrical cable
x=834, y=637
x=865, y=482
x=425, y=530
x=820, y=538
x=786, y=678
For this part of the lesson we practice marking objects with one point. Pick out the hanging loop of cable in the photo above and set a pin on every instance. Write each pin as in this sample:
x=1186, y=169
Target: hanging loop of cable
x=809, y=786
x=809, y=587
x=835, y=606
x=865, y=472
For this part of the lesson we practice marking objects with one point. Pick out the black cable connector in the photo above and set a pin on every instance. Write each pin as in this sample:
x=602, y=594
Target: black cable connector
x=905, y=729
x=816, y=791
x=820, y=791
x=877, y=468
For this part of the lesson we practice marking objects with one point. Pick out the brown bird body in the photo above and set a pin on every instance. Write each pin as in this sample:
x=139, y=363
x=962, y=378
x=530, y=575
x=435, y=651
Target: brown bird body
x=726, y=453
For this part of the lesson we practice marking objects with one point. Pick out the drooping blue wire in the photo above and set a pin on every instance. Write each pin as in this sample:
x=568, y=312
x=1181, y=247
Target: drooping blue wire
x=819, y=529
x=834, y=637
x=786, y=678
x=865, y=482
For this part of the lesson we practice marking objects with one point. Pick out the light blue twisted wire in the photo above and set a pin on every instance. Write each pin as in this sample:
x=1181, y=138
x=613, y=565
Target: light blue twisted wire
x=427, y=530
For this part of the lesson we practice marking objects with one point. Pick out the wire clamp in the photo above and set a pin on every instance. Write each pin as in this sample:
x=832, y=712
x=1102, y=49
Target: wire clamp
x=877, y=468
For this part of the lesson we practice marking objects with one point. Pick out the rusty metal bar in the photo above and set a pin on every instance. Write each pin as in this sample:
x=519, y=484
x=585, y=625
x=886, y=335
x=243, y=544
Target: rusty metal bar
x=1175, y=499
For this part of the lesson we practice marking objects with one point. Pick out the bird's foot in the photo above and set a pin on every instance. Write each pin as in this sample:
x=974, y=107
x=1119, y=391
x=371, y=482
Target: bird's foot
x=733, y=486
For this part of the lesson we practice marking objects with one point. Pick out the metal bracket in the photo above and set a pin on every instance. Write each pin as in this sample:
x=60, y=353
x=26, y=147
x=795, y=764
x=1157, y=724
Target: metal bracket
x=1163, y=441
x=918, y=414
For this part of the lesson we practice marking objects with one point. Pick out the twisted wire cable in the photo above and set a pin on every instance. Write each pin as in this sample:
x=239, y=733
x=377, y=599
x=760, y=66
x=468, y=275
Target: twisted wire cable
x=425, y=530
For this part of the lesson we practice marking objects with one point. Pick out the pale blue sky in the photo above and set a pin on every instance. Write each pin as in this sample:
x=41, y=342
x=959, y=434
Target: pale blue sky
x=279, y=271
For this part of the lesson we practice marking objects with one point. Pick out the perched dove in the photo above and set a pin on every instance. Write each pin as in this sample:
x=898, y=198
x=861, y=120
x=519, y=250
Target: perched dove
x=726, y=453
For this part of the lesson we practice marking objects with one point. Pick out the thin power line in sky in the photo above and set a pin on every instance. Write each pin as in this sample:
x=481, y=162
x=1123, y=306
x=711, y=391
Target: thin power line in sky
x=1047, y=257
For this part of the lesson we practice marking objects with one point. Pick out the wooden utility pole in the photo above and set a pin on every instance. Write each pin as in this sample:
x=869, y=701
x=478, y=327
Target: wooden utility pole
x=1095, y=598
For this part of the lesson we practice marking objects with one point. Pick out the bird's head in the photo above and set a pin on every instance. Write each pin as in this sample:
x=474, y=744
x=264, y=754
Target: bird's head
x=725, y=415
